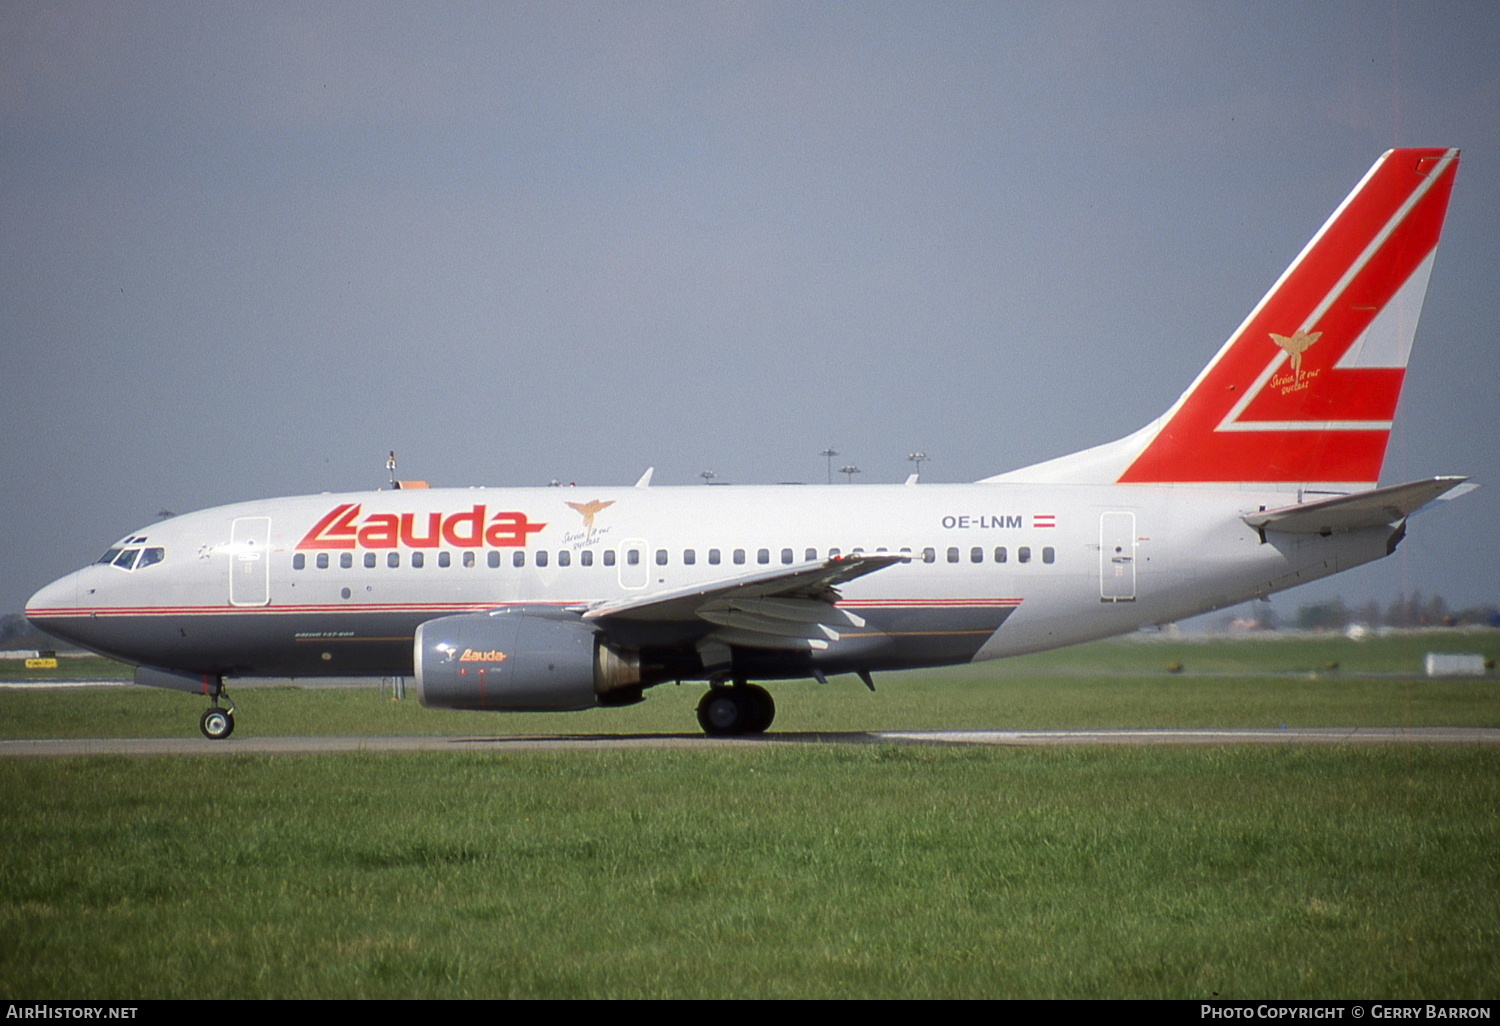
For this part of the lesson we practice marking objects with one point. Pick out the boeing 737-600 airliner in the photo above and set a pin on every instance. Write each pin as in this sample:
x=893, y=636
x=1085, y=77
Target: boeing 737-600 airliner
x=1262, y=476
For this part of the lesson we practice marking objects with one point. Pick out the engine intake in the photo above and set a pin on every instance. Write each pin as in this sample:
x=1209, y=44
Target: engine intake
x=520, y=660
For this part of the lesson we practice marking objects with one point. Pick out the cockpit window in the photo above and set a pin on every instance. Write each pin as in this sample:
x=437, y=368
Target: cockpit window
x=133, y=558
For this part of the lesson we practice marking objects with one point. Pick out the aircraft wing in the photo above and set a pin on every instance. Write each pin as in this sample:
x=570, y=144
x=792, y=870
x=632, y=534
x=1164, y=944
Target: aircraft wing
x=1380, y=507
x=789, y=607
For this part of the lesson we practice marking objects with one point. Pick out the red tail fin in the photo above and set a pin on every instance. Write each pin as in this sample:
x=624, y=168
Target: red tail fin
x=1306, y=389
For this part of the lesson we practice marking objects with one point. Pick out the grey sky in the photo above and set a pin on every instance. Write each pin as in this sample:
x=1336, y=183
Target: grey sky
x=247, y=248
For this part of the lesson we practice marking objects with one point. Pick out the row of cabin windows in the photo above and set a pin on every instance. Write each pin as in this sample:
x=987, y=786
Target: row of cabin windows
x=738, y=557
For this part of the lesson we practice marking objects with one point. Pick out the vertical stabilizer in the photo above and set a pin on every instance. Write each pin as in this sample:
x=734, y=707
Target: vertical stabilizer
x=1305, y=391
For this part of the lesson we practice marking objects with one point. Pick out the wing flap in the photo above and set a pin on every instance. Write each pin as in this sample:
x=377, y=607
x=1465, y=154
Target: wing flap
x=737, y=620
x=1380, y=507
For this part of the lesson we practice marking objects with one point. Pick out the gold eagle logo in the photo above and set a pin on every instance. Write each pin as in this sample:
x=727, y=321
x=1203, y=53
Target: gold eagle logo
x=1296, y=345
x=589, y=510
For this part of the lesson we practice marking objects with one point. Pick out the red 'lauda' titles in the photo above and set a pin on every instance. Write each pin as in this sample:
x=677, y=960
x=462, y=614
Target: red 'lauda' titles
x=342, y=528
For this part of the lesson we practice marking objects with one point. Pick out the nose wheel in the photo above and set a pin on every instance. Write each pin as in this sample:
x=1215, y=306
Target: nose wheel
x=217, y=723
x=737, y=710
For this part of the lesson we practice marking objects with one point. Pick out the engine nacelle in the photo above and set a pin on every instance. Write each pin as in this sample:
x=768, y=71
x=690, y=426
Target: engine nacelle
x=518, y=661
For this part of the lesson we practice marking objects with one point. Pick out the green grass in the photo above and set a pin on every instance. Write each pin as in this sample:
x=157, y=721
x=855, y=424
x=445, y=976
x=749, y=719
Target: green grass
x=865, y=871
x=1259, y=683
x=84, y=667
x=779, y=871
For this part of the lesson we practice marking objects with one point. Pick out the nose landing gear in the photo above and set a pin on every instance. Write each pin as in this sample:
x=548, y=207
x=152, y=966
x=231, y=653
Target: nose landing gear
x=217, y=723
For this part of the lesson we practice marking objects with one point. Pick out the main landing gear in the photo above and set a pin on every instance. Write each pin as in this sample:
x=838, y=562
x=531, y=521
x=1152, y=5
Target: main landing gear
x=732, y=711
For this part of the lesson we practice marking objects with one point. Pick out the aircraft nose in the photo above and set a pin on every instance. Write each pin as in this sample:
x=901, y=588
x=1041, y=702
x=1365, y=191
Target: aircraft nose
x=59, y=596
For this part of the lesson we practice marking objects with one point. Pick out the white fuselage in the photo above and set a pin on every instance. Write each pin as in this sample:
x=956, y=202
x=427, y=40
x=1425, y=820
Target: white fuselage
x=994, y=569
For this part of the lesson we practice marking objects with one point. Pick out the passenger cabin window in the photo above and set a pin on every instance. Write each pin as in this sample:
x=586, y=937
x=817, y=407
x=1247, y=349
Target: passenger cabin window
x=661, y=557
x=541, y=557
x=763, y=556
x=1048, y=554
x=786, y=557
x=586, y=557
x=393, y=560
x=739, y=557
x=633, y=557
x=1023, y=554
x=713, y=557
x=346, y=559
x=518, y=558
x=689, y=557
x=1000, y=554
x=494, y=558
x=810, y=555
x=976, y=555
x=418, y=560
x=953, y=555
x=609, y=557
x=929, y=555
x=564, y=558
x=322, y=561
x=445, y=559
x=468, y=559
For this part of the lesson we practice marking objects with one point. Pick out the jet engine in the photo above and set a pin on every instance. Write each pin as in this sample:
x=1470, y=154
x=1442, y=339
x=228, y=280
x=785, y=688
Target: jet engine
x=521, y=660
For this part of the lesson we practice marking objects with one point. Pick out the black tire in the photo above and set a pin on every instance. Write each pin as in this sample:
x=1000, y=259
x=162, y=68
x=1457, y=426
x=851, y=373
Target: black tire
x=765, y=708
x=726, y=712
x=217, y=724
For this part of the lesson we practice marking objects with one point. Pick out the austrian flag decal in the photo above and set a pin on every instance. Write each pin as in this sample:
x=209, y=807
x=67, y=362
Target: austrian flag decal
x=344, y=528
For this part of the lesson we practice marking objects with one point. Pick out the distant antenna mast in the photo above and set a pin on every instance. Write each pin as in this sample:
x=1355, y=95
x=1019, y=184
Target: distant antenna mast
x=390, y=466
x=829, y=454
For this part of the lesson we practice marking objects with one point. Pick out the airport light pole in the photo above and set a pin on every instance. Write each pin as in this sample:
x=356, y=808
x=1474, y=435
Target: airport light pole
x=829, y=454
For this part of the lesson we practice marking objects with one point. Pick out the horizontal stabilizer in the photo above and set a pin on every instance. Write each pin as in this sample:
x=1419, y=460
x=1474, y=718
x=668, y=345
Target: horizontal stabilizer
x=1381, y=507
